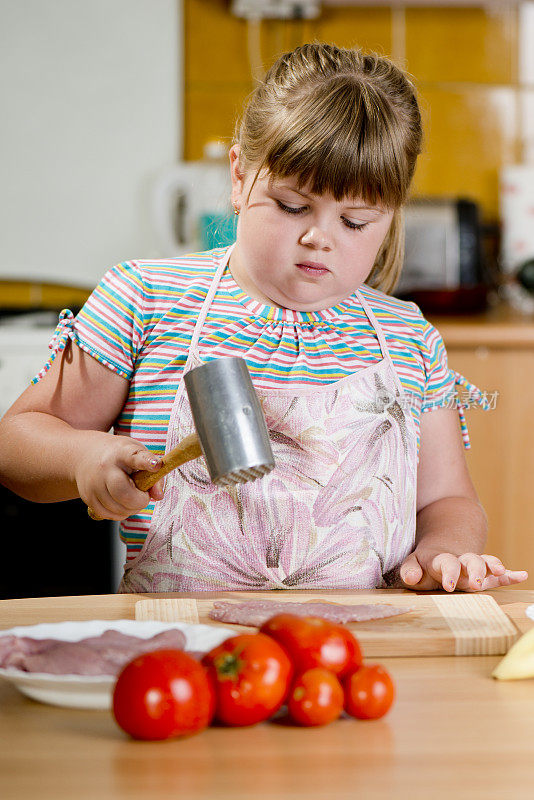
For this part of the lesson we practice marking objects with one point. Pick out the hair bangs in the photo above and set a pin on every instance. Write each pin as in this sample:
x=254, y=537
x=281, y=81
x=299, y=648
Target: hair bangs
x=349, y=154
x=341, y=122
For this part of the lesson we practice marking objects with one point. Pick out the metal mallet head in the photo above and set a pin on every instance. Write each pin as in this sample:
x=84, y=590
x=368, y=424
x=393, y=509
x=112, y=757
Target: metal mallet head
x=229, y=421
x=231, y=432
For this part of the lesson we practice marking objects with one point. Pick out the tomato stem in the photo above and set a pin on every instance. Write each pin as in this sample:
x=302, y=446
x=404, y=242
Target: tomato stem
x=228, y=665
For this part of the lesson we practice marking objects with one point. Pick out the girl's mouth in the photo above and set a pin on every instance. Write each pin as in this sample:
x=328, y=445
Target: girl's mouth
x=313, y=268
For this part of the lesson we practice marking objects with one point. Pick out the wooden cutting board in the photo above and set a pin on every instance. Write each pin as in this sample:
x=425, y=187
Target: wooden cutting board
x=436, y=625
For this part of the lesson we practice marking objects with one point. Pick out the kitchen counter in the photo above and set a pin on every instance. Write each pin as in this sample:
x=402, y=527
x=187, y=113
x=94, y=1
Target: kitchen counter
x=453, y=732
x=500, y=326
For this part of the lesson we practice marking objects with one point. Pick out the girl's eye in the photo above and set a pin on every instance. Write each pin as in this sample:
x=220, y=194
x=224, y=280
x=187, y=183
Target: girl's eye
x=290, y=209
x=356, y=226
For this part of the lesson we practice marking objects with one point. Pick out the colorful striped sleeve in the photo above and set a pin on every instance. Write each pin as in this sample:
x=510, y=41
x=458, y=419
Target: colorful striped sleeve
x=111, y=323
x=439, y=379
x=440, y=382
x=444, y=387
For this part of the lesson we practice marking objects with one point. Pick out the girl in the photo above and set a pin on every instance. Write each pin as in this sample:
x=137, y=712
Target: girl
x=370, y=487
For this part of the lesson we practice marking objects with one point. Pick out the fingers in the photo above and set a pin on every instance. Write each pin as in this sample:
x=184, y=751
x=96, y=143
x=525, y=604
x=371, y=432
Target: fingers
x=119, y=498
x=481, y=572
x=508, y=578
x=517, y=576
x=156, y=491
x=103, y=507
x=135, y=457
x=474, y=569
x=410, y=570
x=448, y=569
x=495, y=565
x=103, y=476
x=486, y=572
x=469, y=572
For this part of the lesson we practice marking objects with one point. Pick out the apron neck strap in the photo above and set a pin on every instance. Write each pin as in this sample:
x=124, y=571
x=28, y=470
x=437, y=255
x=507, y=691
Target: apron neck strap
x=376, y=325
x=205, y=307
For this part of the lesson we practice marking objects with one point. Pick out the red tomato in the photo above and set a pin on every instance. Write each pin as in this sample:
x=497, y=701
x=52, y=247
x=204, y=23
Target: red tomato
x=316, y=698
x=163, y=694
x=353, y=648
x=369, y=692
x=251, y=675
x=314, y=642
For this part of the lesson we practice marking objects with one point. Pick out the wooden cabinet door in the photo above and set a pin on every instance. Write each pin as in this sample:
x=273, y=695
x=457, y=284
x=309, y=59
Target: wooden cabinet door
x=501, y=459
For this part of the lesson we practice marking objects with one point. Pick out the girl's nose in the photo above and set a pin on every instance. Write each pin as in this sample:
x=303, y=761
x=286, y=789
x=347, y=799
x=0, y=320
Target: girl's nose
x=316, y=237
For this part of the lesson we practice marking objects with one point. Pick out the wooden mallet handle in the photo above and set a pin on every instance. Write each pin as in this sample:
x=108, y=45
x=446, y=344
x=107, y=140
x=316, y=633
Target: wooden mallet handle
x=188, y=449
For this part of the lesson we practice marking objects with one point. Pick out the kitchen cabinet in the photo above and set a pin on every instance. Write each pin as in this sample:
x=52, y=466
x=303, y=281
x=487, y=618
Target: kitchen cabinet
x=495, y=351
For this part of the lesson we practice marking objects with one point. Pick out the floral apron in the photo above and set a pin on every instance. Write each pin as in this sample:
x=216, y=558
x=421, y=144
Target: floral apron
x=337, y=511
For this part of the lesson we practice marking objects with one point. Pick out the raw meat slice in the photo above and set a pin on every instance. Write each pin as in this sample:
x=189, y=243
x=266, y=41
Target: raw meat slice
x=7, y=644
x=19, y=648
x=98, y=655
x=68, y=658
x=256, y=612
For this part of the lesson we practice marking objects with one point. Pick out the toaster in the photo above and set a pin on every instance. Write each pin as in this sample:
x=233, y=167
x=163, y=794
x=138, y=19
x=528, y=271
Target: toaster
x=443, y=257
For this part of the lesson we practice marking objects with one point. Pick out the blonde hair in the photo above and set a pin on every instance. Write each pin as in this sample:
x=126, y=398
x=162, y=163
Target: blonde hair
x=345, y=122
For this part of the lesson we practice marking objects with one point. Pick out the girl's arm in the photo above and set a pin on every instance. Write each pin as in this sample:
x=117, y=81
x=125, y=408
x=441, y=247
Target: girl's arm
x=451, y=528
x=55, y=445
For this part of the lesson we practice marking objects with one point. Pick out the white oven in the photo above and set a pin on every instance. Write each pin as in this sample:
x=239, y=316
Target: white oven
x=45, y=544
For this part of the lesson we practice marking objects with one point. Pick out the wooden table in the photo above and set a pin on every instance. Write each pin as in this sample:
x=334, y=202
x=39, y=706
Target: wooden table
x=453, y=732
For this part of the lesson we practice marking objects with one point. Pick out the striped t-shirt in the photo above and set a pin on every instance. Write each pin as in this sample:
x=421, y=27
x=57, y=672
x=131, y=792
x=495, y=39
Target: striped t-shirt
x=140, y=319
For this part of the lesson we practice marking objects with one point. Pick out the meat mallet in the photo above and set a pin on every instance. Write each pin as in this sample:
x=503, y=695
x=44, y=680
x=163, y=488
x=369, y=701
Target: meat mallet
x=231, y=432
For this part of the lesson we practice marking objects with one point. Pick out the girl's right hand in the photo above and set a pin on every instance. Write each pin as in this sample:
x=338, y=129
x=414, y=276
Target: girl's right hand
x=103, y=473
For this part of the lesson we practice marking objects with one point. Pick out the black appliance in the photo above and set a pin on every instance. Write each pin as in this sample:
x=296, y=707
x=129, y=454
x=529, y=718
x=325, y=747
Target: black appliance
x=444, y=268
x=53, y=549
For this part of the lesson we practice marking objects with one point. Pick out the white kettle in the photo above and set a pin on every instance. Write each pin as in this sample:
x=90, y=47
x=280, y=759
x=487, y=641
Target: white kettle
x=192, y=205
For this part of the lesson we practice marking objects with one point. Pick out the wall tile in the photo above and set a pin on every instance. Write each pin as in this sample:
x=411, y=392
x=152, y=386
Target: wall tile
x=215, y=49
x=475, y=45
x=469, y=132
x=211, y=114
x=369, y=28
x=279, y=36
x=216, y=42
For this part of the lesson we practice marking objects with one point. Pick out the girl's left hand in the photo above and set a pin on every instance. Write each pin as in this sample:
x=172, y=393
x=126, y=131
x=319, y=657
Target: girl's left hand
x=470, y=572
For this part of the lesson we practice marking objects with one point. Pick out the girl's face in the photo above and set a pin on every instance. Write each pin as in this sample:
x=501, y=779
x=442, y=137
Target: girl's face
x=297, y=250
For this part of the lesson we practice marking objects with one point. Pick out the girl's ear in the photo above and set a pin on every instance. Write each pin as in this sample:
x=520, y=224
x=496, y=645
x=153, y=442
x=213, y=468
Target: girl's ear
x=238, y=178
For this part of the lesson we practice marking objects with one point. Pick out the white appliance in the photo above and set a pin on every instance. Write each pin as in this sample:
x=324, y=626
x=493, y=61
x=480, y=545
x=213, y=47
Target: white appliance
x=23, y=351
x=517, y=215
x=91, y=114
x=517, y=245
x=192, y=207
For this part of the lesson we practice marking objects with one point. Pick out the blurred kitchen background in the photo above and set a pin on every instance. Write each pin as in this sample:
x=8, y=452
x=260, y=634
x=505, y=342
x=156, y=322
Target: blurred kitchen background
x=117, y=116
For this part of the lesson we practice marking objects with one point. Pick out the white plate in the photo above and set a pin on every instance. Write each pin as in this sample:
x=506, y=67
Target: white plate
x=95, y=691
x=529, y=611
